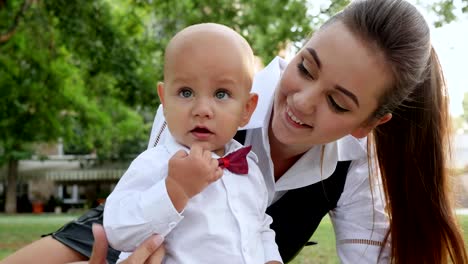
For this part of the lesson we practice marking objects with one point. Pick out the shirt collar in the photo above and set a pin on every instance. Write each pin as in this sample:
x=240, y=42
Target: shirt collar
x=172, y=146
x=351, y=148
x=312, y=168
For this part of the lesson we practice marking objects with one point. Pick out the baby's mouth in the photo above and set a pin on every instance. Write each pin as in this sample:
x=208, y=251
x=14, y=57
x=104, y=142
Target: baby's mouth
x=202, y=130
x=201, y=133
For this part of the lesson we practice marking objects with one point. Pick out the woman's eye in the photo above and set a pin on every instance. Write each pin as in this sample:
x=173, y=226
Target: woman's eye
x=222, y=95
x=304, y=71
x=336, y=107
x=186, y=93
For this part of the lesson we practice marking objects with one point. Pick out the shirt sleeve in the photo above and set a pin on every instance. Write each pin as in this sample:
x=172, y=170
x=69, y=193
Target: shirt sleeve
x=140, y=206
x=270, y=247
x=271, y=250
x=359, y=220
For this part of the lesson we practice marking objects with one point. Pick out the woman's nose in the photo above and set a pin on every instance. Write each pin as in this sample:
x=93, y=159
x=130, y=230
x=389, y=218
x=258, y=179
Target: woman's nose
x=306, y=99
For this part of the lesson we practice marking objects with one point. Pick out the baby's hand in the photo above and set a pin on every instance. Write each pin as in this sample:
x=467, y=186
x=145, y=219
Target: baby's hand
x=189, y=174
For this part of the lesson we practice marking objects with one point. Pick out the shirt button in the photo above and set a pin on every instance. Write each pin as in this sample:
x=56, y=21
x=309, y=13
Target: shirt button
x=172, y=224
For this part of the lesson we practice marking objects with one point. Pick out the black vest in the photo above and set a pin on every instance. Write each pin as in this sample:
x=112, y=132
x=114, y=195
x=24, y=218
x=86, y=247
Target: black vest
x=297, y=214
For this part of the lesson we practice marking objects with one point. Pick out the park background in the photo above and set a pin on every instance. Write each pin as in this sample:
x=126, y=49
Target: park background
x=77, y=93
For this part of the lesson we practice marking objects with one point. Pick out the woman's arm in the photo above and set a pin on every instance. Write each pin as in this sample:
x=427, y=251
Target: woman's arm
x=150, y=251
x=72, y=242
x=47, y=250
x=359, y=219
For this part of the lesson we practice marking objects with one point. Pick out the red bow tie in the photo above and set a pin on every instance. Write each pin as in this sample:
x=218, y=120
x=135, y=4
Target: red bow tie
x=236, y=161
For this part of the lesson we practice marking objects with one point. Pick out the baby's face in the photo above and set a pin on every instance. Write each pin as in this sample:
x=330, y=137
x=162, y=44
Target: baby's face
x=206, y=95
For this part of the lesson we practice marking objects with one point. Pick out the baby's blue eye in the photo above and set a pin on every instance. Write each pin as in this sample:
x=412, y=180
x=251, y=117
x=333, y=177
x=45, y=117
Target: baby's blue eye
x=222, y=94
x=185, y=93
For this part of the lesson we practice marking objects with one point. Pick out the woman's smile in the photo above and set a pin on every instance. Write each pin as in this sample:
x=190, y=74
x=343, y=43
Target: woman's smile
x=294, y=120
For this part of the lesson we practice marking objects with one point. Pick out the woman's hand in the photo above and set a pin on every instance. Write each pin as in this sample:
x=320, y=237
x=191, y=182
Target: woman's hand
x=151, y=251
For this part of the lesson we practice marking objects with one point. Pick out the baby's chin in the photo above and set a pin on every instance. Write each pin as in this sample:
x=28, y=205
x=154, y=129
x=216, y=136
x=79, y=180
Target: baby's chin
x=218, y=149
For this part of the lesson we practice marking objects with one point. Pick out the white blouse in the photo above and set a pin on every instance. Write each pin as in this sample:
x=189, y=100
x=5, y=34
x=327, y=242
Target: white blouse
x=359, y=220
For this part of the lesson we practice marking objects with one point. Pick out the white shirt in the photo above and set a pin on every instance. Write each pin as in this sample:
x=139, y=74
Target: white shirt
x=225, y=222
x=359, y=220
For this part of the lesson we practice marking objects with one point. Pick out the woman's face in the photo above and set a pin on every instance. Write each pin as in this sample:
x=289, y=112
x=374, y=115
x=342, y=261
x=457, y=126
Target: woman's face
x=329, y=89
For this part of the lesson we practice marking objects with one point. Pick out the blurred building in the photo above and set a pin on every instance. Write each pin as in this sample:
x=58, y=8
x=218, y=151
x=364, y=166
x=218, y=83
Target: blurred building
x=68, y=181
x=460, y=151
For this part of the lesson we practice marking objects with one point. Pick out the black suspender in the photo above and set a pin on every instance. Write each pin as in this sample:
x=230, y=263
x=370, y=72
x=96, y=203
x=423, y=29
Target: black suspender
x=298, y=213
x=240, y=136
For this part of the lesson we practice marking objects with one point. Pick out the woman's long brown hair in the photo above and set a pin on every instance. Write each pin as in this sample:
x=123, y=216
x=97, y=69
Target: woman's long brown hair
x=412, y=148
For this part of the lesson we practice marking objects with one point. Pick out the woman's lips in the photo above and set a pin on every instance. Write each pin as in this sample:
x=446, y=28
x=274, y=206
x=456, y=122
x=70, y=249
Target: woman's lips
x=294, y=120
x=293, y=117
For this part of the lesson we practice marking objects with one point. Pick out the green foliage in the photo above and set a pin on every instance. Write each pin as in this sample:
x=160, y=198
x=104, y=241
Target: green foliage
x=71, y=71
x=86, y=71
x=83, y=70
x=446, y=9
x=30, y=96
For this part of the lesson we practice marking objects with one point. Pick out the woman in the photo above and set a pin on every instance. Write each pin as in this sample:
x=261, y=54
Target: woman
x=370, y=68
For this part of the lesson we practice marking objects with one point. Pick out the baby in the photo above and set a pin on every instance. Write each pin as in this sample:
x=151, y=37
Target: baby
x=198, y=187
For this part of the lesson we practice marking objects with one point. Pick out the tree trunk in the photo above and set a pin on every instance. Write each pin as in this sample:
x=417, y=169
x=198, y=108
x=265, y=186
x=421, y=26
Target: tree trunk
x=10, y=203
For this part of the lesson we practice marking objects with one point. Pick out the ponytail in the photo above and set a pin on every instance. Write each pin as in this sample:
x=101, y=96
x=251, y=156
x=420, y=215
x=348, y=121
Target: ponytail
x=412, y=151
x=412, y=148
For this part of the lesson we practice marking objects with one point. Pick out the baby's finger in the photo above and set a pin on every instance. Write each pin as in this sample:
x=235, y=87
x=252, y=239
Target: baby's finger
x=196, y=150
x=180, y=154
x=218, y=174
x=214, y=163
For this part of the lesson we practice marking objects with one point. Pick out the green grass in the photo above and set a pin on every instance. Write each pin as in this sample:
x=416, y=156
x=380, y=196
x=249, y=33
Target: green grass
x=19, y=230
x=322, y=253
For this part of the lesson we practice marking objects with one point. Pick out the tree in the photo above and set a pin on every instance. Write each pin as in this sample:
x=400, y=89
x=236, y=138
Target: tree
x=86, y=71
x=61, y=72
x=29, y=89
x=445, y=11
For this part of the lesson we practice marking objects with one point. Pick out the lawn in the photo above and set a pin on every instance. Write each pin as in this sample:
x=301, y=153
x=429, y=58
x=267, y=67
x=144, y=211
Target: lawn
x=19, y=230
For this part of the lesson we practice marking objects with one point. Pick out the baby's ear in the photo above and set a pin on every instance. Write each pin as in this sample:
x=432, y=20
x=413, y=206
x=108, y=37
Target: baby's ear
x=161, y=92
x=250, y=106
